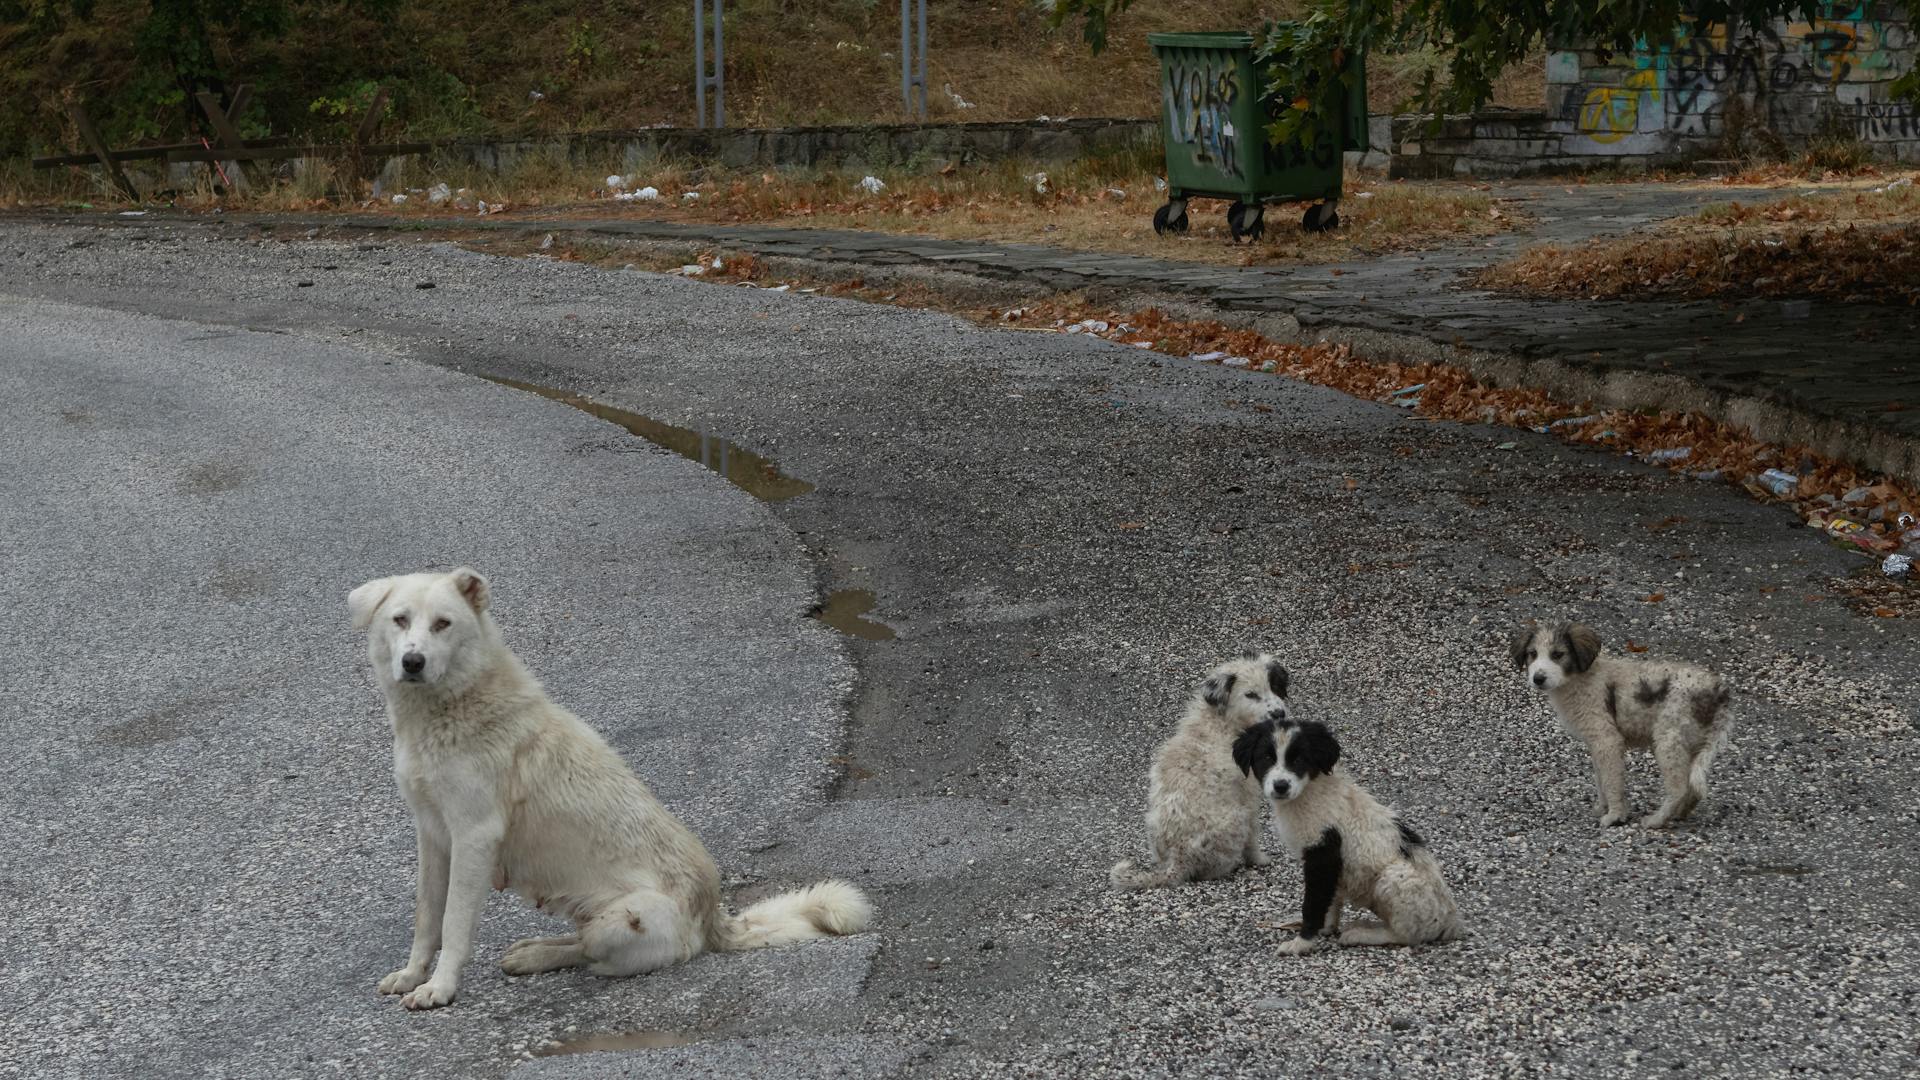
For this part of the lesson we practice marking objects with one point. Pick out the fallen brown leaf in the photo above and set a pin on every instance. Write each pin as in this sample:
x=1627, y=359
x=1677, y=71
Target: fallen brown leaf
x=1654, y=598
x=1632, y=647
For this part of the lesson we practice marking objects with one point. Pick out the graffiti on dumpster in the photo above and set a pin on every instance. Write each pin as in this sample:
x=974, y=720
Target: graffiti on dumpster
x=1198, y=97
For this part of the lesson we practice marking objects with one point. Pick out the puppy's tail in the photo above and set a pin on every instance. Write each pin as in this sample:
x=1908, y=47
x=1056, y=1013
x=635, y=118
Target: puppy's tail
x=1710, y=711
x=828, y=909
x=1127, y=877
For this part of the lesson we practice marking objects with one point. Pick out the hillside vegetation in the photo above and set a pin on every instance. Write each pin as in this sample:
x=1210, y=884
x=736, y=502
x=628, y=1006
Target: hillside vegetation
x=460, y=68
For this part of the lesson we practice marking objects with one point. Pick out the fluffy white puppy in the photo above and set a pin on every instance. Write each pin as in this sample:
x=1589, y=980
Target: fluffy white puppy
x=1203, y=815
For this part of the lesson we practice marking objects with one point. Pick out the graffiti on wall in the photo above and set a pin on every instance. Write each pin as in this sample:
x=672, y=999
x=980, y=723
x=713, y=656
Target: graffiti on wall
x=1794, y=71
x=1197, y=98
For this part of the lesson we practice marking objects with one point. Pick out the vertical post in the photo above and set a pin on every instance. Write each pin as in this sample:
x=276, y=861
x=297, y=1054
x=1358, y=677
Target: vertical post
x=912, y=44
x=718, y=80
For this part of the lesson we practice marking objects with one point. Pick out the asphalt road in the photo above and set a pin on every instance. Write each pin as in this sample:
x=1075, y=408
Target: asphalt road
x=1063, y=535
x=206, y=862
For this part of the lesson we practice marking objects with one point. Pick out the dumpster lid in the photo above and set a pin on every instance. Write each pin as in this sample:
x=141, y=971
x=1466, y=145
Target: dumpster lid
x=1218, y=39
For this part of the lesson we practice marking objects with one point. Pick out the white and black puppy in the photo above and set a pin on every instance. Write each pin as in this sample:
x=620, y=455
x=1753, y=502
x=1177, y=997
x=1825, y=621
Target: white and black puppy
x=1352, y=849
x=1203, y=816
x=1612, y=703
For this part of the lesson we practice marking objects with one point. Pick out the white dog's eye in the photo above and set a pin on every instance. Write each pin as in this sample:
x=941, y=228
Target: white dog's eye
x=400, y=621
x=1253, y=697
x=441, y=624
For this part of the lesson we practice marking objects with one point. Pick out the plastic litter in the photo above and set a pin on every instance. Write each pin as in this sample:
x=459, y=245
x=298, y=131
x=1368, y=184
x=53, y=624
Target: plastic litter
x=1856, y=496
x=780, y=288
x=873, y=185
x=692, y=270
x=1508, y=446
x=535, y=95
x=1208, y=357
x=1669, y=456
x=1089, y=326
x=399, y=199
x=439, y=193
x=1843, y=526
x=1363, y=195
x=133, y=213
x=1159, y=183
x=1268, y=365
x=547, y=243
x=1778, y=482
x=645, y=194
x=958, y=101
x=1570, y=422
x=616, y=182
x=689, y=196
x=1039, y=181
x=717, y=264
x=1118, y=193
x=1414, y=389
x=1903, y=182
x=1235, y=361
x=1897, y=565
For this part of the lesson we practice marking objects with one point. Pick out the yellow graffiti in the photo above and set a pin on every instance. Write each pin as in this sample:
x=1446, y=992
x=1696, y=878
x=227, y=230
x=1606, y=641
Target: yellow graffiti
x=1611, y=113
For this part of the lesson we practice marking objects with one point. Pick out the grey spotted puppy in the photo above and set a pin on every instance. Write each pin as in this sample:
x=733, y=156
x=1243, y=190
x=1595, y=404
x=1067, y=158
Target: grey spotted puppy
x=1613, y=703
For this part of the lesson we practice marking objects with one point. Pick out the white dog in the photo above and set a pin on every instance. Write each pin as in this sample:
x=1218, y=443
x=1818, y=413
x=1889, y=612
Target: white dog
x=1352, y=849
x=1612, y=703
x=1203, y=817
x=510, y=789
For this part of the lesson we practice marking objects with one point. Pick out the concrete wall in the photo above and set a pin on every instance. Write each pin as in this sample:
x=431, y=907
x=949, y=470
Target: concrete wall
x=1708, y=90
x=910, y=146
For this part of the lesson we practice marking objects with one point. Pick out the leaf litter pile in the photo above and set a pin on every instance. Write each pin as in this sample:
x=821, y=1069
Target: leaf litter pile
x=1859, y=247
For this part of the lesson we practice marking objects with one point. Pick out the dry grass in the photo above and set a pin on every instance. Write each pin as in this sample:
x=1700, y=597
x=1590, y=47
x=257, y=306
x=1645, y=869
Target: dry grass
x=1854, y=246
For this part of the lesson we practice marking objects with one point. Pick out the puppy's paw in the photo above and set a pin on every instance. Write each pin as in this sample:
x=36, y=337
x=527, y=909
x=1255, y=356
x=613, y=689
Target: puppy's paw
x=1301, y=946
x=403, y=980
x=430, y=995
x=1610, y=819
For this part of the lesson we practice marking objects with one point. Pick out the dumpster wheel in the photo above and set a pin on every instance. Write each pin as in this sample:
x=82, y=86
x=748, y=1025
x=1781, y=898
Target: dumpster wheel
x=1171, y=217
x=1321, y=217
x=1246, y=221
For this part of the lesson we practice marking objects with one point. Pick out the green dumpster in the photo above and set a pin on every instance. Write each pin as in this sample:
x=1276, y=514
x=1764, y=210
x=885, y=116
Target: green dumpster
x=1215, y=116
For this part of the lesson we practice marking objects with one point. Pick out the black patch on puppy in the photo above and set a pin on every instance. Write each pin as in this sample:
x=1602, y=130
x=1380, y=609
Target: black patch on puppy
x=1649, y=694
x=1517, y=644
x=1320, y=866
x=1613, y=701
x=1706, y=705
x=1583, y=646
x=1277, y=678
x=1313, y=751
x=1253, y=751
x=1408, y=838
x=1219, y=690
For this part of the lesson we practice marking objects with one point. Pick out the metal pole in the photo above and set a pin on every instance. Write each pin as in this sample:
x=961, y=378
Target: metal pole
x=909, y=48
x=718, y=80
x=923, y=59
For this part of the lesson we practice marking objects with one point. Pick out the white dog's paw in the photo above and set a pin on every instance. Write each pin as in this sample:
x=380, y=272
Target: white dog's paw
x=1260, y=858
x=1655, y=820
x=403, y=980
x=1300, y=946
x=1610, y=819
x=430, y=995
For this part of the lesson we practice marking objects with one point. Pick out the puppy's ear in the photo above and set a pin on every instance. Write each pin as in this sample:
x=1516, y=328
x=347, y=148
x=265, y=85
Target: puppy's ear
x=472, y=588
x=1517, y=644
x=1277, y=678
x=1253, y=750
x=1584, y=646
x=1250, y=654
x=1313, y=751
x=366, y=599
x=1216, y=690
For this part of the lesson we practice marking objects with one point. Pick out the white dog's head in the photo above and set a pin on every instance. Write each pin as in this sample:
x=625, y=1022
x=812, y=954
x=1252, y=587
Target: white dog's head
x=1551, y=655
x=428, y=630
x=1283, y=756
x=1247, y=690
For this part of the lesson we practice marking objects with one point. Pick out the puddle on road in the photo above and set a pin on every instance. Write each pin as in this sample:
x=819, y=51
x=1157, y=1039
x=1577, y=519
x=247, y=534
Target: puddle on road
x=632, y=1040
x=745, y=469
x=843, y=610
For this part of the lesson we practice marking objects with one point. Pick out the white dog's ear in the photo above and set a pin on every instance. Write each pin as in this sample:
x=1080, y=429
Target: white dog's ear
x=472, y=587
x=366, y=599
x=1216, y=690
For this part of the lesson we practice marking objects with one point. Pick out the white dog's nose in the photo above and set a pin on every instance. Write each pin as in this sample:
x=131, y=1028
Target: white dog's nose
x=413, y=663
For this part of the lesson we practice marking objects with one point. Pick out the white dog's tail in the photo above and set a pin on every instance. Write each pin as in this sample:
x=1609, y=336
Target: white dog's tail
x=829, y=909
x=1720, y=723
x=1127, y=877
